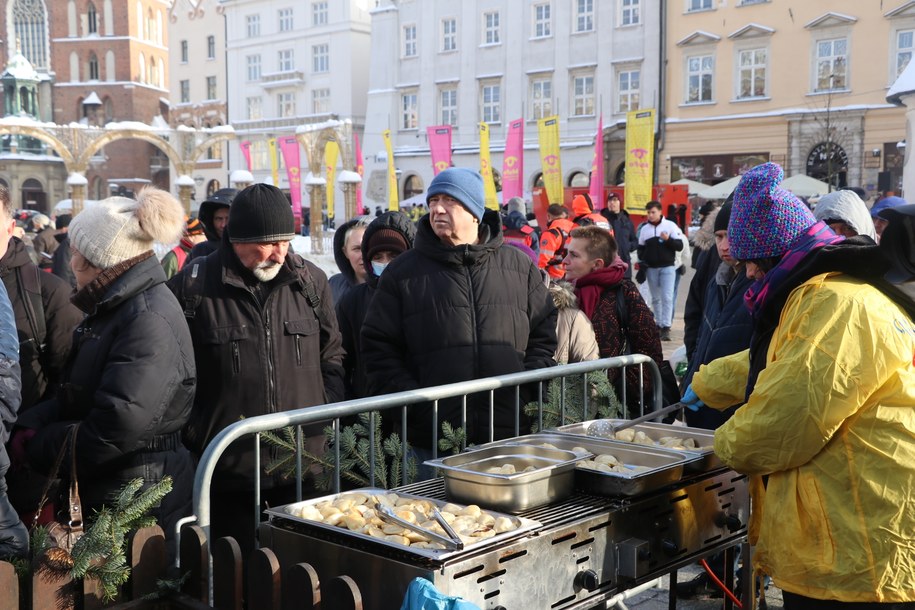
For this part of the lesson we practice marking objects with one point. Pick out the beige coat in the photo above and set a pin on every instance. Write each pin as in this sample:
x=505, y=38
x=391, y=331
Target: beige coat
x=576, y=341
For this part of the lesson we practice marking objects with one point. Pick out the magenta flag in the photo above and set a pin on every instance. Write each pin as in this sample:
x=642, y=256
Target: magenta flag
x=597, y=167
x=289, y=146
x=246, y=151
x=513, y=161
x=360, y=169
x=440, y=147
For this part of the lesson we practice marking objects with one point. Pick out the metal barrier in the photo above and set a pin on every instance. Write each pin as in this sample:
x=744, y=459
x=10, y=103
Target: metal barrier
x=334, y=411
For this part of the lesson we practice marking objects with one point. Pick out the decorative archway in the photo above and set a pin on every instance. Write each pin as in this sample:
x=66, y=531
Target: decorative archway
x=828, y=161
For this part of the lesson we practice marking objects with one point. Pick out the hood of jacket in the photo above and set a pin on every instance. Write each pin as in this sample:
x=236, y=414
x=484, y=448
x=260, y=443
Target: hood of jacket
x=489, y=238
x=339, y=257
x=397, y=221
x=704, y=238
x=563, y=294
x=205, y=215
x=17, y=255
x=516, y=220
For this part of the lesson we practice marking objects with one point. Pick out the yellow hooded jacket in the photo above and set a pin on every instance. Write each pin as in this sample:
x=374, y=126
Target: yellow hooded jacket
x=831, y=420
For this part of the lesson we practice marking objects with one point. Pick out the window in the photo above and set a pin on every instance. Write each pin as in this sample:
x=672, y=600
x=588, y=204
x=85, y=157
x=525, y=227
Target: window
x=628, y=90
x=30, y=31
x=831, y=64
x=184, y=51
x=285, y=104
x=93, y=67
x=185, y=87
x=491, y=28
x=409, y=41
x=541, y=98
x=752, y=73
x=746, y=2
x=449, y=34
x=92, y=19
x=583, y=95
x=698, y=5
x=448, y=103
x=254, y=67
x=700, y=70
x=320, y=60
x=541, y=20
x=408, y=116
x=253, y=109
x=211, y=47
x=629, y=12
x=319, y=13
x=284, y=17
x=491, y=98
x=905, y=41
x=253, y=23
x=584, y=15
x=320, y=101
x=285, y=61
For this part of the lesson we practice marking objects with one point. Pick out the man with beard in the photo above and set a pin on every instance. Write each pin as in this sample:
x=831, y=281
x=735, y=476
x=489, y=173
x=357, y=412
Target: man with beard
x=265, y=340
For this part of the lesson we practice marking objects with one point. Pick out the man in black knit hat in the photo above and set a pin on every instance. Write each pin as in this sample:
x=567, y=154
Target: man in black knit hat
x=265, y=340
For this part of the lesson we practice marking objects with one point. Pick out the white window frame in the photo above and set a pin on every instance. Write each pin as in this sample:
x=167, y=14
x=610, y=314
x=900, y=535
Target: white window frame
x=702, y=71
x=254, y=108
x=753, y=68
x=409, y=110
x=448, y=105
x=541, y=20
x=583, y=21
x=285, y=104
x=695, y=6
x=284, y=18
x=901, y=50
x=630, y=13
x=253, y=25
x=253, y=67
x=833, y=58
x=492, y=34
x=750, y=2
x=628, y=97
x=184, y=87
x=449, y=35
x=319, y=13
x=491, y=102
x=211, y=47
x=285, y=60
x=184, y=51
x=320, y=58
x=211, y=88
x=320, y=101
x=581, y=98
x=541, y=97
x=409, y=48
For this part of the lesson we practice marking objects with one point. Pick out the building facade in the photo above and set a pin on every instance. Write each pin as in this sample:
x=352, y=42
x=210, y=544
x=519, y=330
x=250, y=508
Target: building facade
x=802, y=84
x=440, y=62
x=293, y=63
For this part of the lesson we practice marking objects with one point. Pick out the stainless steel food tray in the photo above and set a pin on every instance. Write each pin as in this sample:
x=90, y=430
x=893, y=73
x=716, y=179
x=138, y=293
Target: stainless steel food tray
x=664, y=466
x=281, y=513
x=704, y=438
x=552, y=479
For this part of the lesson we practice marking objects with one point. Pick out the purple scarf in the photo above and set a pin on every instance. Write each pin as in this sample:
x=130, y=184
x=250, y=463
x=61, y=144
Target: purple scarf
x=814, y=237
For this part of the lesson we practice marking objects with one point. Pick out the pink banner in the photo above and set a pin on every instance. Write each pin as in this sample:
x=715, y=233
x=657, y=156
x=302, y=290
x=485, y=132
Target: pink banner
x=597, y=168
x=513, y=162
x=440, y=147
x=289, y=146
x=246, y=151
x=360, y=169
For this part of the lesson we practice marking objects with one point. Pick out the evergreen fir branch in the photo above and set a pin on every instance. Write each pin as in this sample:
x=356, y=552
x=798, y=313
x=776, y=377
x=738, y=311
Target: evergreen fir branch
x=602, y=401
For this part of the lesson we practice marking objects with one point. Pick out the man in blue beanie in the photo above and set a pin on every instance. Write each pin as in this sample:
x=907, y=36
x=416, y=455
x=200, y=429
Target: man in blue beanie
x=458, y=306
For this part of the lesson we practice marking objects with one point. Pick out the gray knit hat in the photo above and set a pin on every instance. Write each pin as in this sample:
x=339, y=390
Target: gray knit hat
x=117, y=229
x=260, y=214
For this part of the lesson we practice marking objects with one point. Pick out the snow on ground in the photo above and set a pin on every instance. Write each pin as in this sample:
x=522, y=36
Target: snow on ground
x=302, y=246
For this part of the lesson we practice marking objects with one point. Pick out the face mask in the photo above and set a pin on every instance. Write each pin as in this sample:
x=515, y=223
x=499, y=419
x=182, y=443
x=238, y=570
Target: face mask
x=378, y=268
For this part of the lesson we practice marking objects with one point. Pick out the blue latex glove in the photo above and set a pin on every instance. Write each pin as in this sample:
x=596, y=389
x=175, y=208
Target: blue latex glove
x=422, y=595
x=690, y=399
x=9, y=338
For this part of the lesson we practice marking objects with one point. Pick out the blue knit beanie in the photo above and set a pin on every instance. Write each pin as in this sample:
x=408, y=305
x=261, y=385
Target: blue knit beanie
x=765, y=219
x=462, y=184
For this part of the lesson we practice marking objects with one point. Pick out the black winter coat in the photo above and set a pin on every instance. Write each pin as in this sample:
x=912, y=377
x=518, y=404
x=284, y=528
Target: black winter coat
x=443, y=314
x=60, y=266
x=343, y=282
x=624, y=232
x=130, y=382
x=259, y=348
x=61, y=319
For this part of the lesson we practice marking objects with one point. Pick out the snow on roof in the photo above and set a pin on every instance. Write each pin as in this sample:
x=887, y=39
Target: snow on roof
x=904, y=84
x=184, y=180
x=318, y=126
x=348, y=177
x=241, y=175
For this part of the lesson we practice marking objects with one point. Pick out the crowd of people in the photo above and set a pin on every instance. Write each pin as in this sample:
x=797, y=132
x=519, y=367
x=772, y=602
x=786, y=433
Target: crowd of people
x=799, y=333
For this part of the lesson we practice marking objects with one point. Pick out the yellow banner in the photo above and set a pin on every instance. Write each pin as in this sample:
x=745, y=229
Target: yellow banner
x=274, y=162
x=393, y=197
x=548, y=133
x=331, y=152
x=639, y=159
x=489, y=185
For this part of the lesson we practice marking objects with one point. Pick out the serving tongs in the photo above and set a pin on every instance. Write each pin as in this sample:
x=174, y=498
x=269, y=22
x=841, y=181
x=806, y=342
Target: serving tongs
x=452, y=541
x=604, y=428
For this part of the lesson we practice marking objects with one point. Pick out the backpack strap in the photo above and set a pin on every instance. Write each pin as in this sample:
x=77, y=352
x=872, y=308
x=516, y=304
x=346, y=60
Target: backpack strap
x=622, y=312
x=180, y=256
x=193, y=287
x=307, y=286
x=30, y=285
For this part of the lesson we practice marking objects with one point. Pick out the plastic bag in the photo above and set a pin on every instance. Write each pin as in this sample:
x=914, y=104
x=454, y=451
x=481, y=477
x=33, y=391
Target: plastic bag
x=422, y=595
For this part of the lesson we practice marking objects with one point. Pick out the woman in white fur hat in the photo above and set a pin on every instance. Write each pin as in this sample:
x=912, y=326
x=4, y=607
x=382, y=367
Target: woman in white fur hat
x=131, y=378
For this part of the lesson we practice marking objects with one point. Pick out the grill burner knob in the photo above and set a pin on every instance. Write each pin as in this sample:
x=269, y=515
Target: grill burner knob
x=670, y=547
x=587, y=580
x=732, y=522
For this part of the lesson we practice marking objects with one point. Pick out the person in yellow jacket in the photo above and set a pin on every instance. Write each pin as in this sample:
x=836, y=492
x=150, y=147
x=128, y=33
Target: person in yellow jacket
x=828, y=387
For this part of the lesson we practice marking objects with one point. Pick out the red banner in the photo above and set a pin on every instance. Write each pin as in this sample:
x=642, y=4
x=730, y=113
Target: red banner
x=597, y=168
x=513, y=162
x=360, y=169
x=246, y=151
x=289, y=146
x=440, y=147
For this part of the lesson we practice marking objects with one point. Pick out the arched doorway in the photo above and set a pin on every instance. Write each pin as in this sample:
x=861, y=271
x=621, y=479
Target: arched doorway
x=537, y=181
x=828, y=162
x=33, y=196
x=579, y=179
x=413, y=185
x=620, y=175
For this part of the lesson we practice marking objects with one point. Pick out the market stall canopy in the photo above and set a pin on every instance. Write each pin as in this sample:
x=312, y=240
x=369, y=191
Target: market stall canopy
x=720, y=190
x=694, y=187
x=805, y=186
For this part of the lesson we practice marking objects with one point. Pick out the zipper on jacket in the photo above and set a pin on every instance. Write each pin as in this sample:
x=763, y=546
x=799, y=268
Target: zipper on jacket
x=236, y=358
x=271, y=365
x=298, y=351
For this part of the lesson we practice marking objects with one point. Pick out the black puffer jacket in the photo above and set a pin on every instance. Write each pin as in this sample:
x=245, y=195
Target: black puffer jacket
x=205, y=215
x=624, y=232
x=341, y=283
x=61, y=319
x=130, y=382
x=260, y=348
x=443, y=314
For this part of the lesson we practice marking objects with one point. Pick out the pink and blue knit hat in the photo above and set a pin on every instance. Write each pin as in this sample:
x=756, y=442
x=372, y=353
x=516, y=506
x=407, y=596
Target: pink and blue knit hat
x=765, y=219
